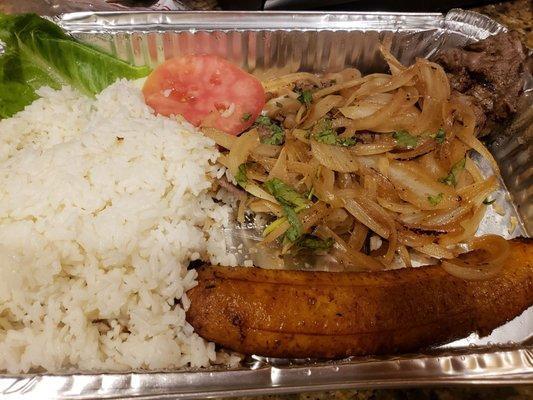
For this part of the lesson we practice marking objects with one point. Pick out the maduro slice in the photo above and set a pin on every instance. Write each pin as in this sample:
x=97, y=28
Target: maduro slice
x=330, y=314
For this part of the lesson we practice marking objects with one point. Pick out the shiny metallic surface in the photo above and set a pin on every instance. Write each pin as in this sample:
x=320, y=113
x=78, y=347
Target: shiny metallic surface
x=497, y=367
x=57, y=7
x=273, y=43
x=514, y=152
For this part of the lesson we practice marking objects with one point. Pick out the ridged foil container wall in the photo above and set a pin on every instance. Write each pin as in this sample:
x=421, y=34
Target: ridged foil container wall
x=273, y=43
x=270, y=44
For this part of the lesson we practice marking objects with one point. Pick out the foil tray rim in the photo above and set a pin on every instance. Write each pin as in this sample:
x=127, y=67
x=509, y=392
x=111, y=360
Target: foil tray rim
x=486, y=366
x=509, y=367
x=157, y=21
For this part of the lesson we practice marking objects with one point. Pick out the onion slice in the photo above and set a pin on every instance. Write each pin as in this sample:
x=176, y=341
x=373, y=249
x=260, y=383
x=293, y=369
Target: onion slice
x=241, y=149
x=336, y=158
x=486, y=260
x=352, y=259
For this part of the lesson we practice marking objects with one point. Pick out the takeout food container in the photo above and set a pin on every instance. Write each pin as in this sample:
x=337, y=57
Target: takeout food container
x=269, y=44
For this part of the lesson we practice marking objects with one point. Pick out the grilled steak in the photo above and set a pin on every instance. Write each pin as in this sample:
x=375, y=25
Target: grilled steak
x=490, y=72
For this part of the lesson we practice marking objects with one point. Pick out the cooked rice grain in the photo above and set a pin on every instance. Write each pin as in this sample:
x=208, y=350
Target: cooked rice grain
x=102, y=206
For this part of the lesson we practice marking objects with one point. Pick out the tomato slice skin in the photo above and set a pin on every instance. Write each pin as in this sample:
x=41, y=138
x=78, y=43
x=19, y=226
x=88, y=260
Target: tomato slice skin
x=206, y=90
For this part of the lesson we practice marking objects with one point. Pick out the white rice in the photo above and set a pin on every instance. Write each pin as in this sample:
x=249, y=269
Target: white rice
x=102, y=206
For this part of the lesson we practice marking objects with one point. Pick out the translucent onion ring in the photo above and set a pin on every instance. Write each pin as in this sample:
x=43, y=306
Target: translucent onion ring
x=492, y=252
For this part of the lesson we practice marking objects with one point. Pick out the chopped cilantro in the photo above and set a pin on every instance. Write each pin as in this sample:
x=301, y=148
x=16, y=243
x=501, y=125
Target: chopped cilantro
x=241, y=177
x=246, y=116
x=291, y=201
x=451, y=178
x=440, y=136
x=263, y=120
x=305, y=97
x=488, y=202
x=405, y=139
x=346, y=142
x=324, y=124
x=434, y=200
x=285, y=194
x=328, y=136
x=277, y=136
x=295, y=231
x=315, y=243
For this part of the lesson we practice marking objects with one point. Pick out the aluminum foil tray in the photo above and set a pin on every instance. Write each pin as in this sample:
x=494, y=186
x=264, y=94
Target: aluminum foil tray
x=273, y=43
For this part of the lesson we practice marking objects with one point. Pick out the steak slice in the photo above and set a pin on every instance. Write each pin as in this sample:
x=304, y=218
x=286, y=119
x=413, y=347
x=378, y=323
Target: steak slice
x=490, y=73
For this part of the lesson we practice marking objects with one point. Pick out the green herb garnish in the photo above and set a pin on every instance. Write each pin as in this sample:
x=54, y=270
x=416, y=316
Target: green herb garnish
x=246, y=116
x=284, y=194
x=315, y=243
x=263, y=120
x=305, y=97
x=440, y=136
x=434, y=200
x=277, y=136
x=328, y=136
x=241, y=177
x=295, y=231
x=405, y=139
x=291, y=201
x=346, y=142
x=451, y=178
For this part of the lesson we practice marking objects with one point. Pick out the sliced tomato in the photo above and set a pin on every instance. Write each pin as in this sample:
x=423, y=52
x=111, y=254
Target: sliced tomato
x=206, y=90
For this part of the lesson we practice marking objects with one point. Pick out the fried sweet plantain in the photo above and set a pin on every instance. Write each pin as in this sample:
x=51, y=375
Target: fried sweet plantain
x=335, y=314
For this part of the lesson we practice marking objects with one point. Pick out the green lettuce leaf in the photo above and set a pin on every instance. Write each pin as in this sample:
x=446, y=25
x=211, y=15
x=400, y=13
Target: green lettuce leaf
x=38, y=53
